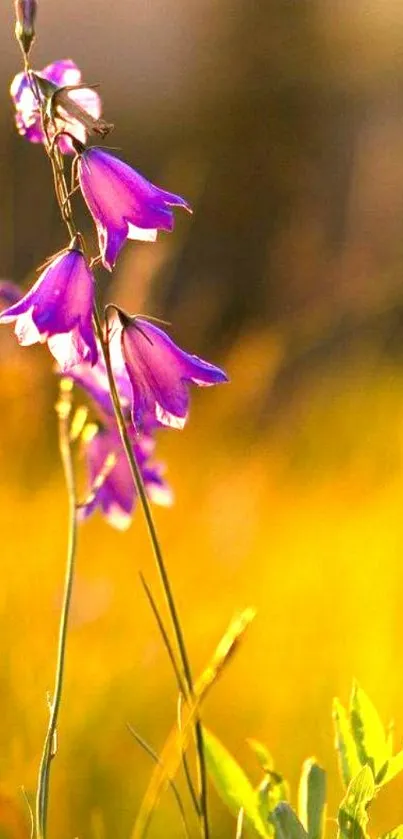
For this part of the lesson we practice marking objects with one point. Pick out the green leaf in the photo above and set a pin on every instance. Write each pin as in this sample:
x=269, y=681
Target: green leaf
x=349, y=763
x=232, y=784
x=396, y=833
x=368, y=732
x=262, y=753
x=271, y=792
x=312, y=798
x=353, y=815
x=286, y=823
x=394, y=766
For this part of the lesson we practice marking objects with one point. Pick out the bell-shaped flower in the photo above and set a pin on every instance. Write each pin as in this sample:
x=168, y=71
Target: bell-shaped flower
x=58, y=310
x=25, y=92
x=160, y=372
x=111, y=482
x=123, y=204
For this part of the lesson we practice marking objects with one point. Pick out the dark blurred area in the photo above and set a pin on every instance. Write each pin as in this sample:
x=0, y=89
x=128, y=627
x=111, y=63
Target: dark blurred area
x=282, y=123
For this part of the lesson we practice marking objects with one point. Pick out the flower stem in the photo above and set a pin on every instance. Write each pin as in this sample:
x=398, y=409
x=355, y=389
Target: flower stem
x=63, y=409
x=166, y=585
x=179, y=679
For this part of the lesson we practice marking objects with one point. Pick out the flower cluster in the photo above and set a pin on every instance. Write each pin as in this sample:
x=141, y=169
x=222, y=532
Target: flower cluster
x=152, y=374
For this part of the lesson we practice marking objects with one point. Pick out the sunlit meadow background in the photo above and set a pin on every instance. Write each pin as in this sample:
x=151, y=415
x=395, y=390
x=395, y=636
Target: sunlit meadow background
x=282, y=122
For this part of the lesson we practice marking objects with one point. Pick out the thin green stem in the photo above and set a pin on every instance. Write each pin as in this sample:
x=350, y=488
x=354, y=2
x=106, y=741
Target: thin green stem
x=166, y=586
x=179, y=680
x=147, y=748
x=49, y=749
x=164, y=634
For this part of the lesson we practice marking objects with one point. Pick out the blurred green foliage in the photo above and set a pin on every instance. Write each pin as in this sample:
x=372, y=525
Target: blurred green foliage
x=361, y=742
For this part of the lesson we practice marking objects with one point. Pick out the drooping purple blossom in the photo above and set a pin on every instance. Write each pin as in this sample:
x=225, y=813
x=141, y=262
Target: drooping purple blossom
x=160, y=372
x=124, y=205
x=112, y=487
x=62, y=73
x=58, y=310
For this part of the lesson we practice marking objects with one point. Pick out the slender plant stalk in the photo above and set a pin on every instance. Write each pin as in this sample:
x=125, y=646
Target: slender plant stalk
x=179, y=680
x=147, y=748
x=166, y=585
x=63, y=409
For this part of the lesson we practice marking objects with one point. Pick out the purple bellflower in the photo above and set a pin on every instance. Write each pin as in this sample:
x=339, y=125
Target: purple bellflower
x=58, y=309
x=159, y=372
x=63, y=73
x=124, y=205
x=111, y=480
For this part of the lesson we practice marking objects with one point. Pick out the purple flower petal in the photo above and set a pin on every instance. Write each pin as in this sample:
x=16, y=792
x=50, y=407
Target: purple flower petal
x=159, y=373
x=111, y=480
x=124, y=205
x=62, y=73
x=94, y=380
x=58, y=309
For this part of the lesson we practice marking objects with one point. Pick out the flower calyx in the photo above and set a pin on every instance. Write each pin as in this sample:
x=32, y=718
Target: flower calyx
x=58, y=104
x=76, y=243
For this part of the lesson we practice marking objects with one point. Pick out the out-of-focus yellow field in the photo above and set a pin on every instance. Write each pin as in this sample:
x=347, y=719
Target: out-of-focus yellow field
x=300, y=517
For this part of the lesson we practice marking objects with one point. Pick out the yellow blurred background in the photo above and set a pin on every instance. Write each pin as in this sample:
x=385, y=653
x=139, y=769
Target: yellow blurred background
x=282, y=123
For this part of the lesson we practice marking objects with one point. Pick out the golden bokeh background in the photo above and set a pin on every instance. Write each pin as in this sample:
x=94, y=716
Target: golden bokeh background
x=282, y=123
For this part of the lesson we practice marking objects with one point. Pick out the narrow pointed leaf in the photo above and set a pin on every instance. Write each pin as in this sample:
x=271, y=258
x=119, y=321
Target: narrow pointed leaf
x=176, y=744
x=394, y=767
x=353, y=812
x=286, y=823
x=349, y=763
x=231, y=783
x=396, y=833
x=273, y=790
x=368, y=732
x=312, y=798
x=263, y=755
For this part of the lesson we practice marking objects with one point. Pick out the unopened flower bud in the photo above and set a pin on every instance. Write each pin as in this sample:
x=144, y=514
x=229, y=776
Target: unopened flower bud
x=25, y=12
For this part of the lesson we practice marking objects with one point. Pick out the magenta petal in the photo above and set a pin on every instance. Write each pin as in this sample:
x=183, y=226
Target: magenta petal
x=63, y=73
x=94, y=380
x=111, y=480
x=124, y=205
x=159, y=373
x=58, y=309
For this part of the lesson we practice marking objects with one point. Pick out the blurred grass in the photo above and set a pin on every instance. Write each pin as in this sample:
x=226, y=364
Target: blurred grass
x=300, y=517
